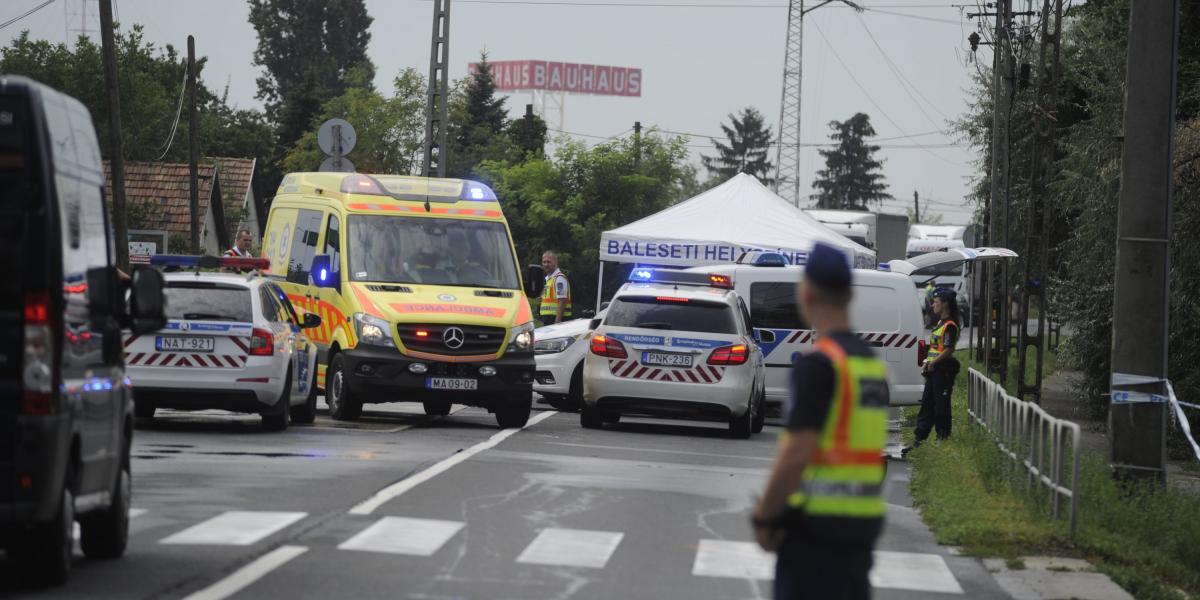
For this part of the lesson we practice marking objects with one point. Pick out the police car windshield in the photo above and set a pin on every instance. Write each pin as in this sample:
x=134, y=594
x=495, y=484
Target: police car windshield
x=201, y=301
x=393, y=249
x=651, y=312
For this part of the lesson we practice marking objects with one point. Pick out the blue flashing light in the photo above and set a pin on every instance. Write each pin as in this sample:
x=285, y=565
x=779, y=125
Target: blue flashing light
x=324, y=275
x=477, y=192
x=885, y=267
x=770, y=259
x=174, y=260
x=641, y=275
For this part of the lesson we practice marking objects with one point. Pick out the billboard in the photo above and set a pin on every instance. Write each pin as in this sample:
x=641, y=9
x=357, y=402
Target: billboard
x=572, y=78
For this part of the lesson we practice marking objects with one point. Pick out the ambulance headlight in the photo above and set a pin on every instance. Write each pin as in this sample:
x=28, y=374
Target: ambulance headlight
x=521, y=339
x=373, y=330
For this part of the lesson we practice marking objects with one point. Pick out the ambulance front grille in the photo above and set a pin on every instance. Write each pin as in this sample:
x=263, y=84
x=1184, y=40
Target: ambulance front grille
x=476, y=340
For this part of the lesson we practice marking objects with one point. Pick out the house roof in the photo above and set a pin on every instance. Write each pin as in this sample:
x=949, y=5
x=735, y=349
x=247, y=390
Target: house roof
x=163, y=189
x=236, y=176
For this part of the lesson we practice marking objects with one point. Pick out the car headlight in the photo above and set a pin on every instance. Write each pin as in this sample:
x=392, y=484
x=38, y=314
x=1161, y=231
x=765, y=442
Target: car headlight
x=373, y=330
x=554, y=345
x=521, y=339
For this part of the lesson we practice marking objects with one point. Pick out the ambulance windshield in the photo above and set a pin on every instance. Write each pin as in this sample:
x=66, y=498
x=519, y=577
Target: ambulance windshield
x=397, y=249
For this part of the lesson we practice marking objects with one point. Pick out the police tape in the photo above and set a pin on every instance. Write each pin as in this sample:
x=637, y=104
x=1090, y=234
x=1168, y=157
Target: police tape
x=1183, y=422
x=1125, y=379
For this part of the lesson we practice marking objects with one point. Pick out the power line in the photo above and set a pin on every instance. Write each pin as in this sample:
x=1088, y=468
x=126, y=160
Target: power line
x=586, y=4
x=26, y=13
x=178, y=111
x=904, y=81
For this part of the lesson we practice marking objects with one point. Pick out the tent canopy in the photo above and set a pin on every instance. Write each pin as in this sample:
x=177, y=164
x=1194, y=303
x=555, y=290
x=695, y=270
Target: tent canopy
x=720, y=224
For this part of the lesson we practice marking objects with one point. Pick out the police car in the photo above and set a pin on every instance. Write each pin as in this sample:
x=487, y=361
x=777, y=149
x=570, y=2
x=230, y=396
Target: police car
x=559, y=350
x=675, y=344
x=232, y=342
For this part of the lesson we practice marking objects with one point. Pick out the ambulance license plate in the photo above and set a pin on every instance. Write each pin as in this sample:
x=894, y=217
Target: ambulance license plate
x=185, y=344
x=663, y=359
x=457, y=384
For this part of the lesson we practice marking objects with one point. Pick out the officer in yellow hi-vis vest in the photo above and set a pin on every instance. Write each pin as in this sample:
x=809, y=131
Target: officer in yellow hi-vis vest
x=823, y=506
x=940, y=368
x=556, y=296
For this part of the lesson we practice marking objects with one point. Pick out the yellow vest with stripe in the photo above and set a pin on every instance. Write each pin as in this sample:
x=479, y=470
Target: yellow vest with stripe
x=549, y=305
x=937, y=340
x=845, y=477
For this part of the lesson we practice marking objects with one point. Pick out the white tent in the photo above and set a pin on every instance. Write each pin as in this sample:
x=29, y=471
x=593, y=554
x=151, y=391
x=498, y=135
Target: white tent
x=719, y=225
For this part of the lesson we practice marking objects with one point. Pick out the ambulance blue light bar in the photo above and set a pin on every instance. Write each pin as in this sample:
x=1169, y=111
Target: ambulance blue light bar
x=667, y=276
x=184, y=261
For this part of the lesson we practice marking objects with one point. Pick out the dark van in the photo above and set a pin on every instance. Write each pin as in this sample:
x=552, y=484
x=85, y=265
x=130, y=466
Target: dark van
x=66, y=408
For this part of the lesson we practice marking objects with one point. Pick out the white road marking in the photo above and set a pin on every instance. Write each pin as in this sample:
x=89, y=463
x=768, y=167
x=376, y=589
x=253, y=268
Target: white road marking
x=248, y=574
x=571, y=548
x=235, y=528
x=393, y=491
x=681, y=452
x=911, y=571
x=133, y=514
x=402, y=535
x=740, y=560
x=892, y=570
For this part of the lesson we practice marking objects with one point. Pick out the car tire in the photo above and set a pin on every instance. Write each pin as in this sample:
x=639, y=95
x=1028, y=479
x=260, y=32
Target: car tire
x=278, y=417
x=590, y=417
x=574, y=398
x=515, y=413
x=143, y=410
x=43, y=553
x=760, y=414
x=611, y=418
x=306, y=413
x=741, y=427
x=343, y=406
x=437, y=408
x=105, y=534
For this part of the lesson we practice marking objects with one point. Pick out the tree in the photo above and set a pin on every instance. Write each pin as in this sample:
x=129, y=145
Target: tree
x=390, y=131
x=926, y=218
x=477, y=120
x=308, y=48
x=528, y=137
x=749, y=142
x=851, y=179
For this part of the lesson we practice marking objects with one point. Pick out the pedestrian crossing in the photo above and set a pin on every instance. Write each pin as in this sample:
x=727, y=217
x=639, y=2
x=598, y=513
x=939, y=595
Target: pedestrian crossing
x=559, y=547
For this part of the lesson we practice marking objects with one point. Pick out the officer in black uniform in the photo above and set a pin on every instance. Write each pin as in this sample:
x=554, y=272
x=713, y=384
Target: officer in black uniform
x=940, y=368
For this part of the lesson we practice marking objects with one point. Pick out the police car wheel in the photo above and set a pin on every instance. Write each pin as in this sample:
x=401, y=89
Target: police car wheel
x=278, y=417
x=760, y=414
x=306, y=413
x=590, y=417
x=741, y=427
x=342, y=404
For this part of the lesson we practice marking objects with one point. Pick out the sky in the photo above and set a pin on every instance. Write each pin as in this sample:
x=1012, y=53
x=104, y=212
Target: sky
x=903, y=62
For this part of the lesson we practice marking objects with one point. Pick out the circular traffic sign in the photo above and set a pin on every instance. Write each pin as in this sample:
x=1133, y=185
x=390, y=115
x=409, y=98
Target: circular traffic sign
x=335, y=135
x=331, y=165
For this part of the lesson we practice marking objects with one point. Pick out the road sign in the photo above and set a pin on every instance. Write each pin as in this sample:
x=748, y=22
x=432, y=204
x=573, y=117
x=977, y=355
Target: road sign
x=337, y=164
x=336, y=137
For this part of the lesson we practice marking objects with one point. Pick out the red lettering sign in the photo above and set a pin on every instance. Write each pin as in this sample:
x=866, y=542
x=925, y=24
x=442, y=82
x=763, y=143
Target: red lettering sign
x=525, y=75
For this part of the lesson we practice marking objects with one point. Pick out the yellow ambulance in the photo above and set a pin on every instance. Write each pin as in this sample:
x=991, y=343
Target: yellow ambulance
x=418, y=287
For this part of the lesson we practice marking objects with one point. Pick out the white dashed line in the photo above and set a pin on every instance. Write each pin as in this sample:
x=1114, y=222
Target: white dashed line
x=912, y=571
x=571, y=548
x=235, y=528
x=403, y=535
x=248, y=574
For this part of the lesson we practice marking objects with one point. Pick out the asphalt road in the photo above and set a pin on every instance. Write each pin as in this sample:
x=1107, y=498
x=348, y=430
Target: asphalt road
x=400, y=505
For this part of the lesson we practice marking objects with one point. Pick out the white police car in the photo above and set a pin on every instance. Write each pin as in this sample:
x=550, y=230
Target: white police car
x=232, y=342
x=675, y=344
x=559, y=351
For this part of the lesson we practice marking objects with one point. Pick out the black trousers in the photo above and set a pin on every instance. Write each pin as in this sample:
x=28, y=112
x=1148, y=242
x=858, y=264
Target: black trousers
x=935, y=401
x=808, y=568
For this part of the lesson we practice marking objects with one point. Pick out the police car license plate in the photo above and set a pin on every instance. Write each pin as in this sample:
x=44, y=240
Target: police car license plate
x=452, y=383
x=185, y=344
x=662, y=359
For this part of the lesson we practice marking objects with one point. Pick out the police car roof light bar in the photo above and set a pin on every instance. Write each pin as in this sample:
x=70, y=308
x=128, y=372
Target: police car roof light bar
x=185, y=261
x=680, y=278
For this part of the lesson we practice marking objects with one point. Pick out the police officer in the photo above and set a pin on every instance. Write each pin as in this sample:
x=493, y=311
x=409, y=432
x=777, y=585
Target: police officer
x=940, y=368
x=241, y=245
x=556, y=296
x=823, y=507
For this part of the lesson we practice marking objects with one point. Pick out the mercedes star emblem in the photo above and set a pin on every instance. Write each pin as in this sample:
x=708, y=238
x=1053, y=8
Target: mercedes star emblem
x=454, y=338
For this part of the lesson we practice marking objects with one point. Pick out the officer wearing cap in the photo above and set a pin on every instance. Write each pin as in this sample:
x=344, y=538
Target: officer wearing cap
x=823, y=507
x=940, y=368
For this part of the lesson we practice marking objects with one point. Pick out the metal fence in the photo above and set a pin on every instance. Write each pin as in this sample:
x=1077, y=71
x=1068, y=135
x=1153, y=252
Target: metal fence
x=1031, y=437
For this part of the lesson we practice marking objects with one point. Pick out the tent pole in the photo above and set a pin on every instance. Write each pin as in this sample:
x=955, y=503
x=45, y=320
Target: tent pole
x=599, y=286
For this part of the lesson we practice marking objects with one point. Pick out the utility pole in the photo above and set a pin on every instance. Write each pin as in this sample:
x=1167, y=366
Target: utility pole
x=1137, y=418
x=435, y=109
x=993, y=303
x=637, y=144
x=1037, y=225
x=115, y=158
x=193, y=149
x=916, y=207
x=787, y=153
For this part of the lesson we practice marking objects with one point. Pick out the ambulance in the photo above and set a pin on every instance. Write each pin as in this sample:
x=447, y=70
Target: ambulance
x=417, y=284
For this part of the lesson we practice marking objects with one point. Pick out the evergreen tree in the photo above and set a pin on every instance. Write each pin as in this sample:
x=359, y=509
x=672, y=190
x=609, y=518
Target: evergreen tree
x=477, y=121
x=749, y=142
x=307, y=48
x=851, y=179
x=528, y=136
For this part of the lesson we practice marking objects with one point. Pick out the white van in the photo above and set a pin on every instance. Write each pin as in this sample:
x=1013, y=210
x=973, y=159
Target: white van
x=884, y=311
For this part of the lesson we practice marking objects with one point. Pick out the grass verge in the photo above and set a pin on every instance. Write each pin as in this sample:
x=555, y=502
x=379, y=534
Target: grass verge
x=971, y=495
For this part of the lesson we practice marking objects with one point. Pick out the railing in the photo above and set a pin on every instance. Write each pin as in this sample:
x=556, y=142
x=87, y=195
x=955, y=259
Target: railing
x=1032, y=438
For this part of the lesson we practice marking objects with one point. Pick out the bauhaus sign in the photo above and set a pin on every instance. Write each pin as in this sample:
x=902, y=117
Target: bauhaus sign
x=572, y=78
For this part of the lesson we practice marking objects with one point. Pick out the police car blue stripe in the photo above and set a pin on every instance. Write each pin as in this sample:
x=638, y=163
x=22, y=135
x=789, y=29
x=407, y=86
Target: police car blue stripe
x=697, y=343
x=638, y=339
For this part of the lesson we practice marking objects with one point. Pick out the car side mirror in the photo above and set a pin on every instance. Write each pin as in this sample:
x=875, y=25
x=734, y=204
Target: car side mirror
x=535, y=280
x=146, y=303
x=603, y=306
x=311, y=320
x=325, y=273
x=765, y=336
x=101, y=297
x=593, y=324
